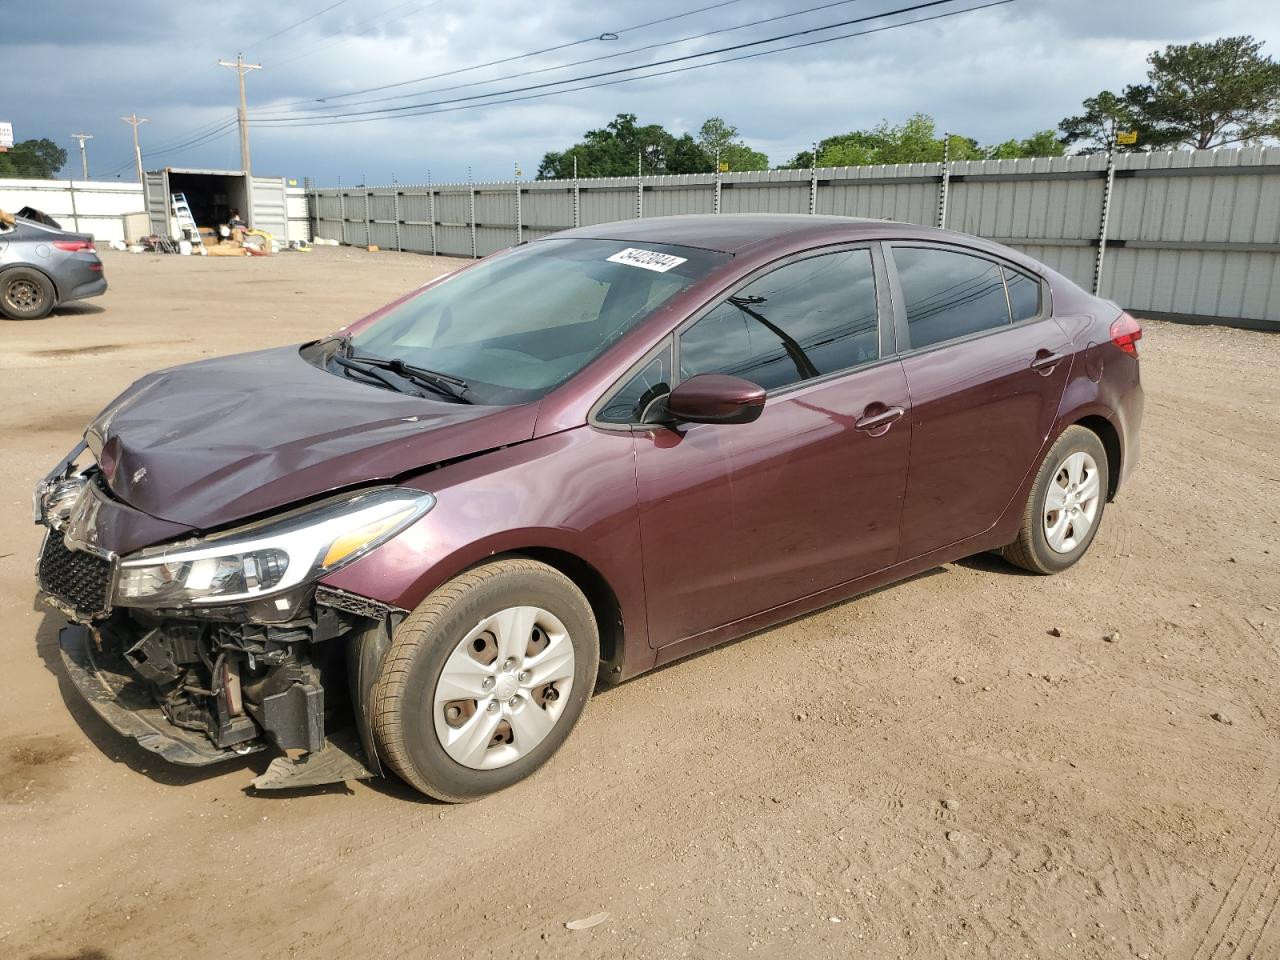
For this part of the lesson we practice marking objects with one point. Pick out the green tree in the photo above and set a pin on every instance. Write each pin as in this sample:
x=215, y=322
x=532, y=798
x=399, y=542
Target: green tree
x=915, y=141
x=614, y=150
x=720, y=139
x=1207, y=95
x=622, y=147
x=1105, y=115
x=611, y=152
x=1044, y=143
x=1199, y=95
x=33, y=159
x=685, y=155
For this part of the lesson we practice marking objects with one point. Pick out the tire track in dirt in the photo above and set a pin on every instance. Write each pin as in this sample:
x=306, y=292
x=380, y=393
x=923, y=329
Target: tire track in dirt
x=1253, y=890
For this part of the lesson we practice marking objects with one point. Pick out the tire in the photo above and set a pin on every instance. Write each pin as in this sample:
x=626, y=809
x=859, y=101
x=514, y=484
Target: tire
x=451, y=634
x=26, y=294
x=1053, y=539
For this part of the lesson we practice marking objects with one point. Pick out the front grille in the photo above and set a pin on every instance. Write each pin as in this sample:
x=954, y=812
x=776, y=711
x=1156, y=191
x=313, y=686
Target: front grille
x=80, y=580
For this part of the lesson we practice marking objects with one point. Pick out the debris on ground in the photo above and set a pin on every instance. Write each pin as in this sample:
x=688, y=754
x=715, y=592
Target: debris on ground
x=586, y=923
x=1112, y=637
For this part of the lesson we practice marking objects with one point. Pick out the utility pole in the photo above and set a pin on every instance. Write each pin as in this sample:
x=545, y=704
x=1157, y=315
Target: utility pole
x=241, y=68
x=84, y=156
x=135, y=121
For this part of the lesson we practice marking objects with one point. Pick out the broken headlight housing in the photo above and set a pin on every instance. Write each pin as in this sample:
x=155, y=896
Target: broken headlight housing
x=54, y=500
x=268, y=557
x=56, y=495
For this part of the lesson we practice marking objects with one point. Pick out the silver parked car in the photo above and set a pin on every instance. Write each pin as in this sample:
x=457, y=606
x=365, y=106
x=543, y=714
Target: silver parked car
x=42, y=265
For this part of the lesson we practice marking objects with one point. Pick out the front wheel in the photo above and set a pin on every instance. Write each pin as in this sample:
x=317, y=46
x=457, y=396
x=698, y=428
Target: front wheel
x=1066, y=504
x=485, y=679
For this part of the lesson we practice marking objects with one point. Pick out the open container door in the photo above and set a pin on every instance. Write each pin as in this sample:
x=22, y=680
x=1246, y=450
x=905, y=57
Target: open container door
x=269, y=210
x=155, y=187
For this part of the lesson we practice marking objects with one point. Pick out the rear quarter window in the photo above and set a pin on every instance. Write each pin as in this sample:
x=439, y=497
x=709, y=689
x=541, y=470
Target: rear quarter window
x=1024, y=295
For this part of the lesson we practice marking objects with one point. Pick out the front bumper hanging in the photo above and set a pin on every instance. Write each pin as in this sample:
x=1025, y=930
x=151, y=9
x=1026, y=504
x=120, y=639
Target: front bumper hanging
x=119, y=697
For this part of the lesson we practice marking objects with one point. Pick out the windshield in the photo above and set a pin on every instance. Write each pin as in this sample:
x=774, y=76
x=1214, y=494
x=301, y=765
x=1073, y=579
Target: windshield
x=522, y=323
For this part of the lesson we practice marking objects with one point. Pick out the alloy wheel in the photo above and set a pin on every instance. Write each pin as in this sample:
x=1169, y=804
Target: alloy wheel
x=1071, y=502
x=503, y=688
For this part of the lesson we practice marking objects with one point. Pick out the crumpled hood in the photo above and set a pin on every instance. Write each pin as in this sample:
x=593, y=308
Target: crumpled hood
x=213, y=442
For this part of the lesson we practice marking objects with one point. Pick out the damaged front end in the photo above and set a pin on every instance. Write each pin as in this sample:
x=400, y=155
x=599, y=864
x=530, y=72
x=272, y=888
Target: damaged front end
x=208, y=648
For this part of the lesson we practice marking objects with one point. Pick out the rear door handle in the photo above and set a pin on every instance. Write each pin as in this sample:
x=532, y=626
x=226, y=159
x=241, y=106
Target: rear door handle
x=1046, y=360
x=877, y=423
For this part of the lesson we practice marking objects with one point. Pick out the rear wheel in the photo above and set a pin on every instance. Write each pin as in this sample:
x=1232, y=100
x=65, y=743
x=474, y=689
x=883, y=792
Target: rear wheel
x=1065, y=506
x=25, y=294
x=484, y=681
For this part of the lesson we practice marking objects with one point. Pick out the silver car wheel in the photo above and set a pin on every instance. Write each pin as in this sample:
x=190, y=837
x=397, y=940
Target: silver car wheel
x=504, y=687
x=1071, y=502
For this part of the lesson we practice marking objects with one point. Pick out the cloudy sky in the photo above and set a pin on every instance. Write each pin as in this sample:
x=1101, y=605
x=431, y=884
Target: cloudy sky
x=992, y=74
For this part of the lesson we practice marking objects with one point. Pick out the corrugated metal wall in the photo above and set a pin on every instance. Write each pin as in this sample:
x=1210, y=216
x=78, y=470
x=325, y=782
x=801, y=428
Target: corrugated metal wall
x=1192, y=233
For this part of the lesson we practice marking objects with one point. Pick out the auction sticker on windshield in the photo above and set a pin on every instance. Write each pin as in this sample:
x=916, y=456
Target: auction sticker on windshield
x=647, y=259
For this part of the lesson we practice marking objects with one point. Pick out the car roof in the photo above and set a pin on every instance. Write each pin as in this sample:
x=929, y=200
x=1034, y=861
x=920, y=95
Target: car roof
x=735, y=232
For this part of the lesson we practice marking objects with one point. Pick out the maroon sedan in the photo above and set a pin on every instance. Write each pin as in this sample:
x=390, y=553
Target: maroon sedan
x=417, y=545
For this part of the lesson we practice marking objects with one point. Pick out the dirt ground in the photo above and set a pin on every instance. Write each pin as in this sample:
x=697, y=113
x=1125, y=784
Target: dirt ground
x=829, y=788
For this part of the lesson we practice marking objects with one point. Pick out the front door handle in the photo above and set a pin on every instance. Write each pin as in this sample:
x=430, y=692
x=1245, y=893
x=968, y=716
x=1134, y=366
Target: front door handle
x=878, y=423
x=1045, y=361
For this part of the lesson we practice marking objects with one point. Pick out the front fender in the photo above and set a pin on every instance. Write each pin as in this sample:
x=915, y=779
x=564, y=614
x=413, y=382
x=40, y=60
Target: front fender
x=573, y=492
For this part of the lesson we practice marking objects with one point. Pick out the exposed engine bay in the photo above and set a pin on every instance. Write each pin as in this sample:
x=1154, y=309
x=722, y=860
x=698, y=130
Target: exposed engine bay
x=203, y=685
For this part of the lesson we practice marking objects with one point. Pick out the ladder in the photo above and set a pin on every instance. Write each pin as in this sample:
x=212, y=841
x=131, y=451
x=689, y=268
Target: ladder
x=186, y=222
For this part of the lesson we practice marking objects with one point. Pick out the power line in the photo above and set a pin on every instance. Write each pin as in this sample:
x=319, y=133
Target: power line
x=191, y=138
x=685, y=69
x=215, y=134
x=369, y=114
x=211, y=138
x=256, y=44
x=608, y=35
x=563, y=66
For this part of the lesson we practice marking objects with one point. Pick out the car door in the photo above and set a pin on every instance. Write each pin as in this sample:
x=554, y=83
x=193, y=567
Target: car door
x=986, y=364
x=738, y=518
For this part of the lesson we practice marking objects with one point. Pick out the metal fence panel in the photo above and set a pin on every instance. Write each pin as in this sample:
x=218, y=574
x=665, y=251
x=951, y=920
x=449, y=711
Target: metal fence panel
x=604, y=205
x=545, y=211
x=667, y=200
x=454, y=241
x=1189, y=232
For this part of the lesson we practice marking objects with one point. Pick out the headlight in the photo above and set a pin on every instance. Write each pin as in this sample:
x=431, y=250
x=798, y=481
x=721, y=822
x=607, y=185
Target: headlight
x=271, y=556
x=55, y=499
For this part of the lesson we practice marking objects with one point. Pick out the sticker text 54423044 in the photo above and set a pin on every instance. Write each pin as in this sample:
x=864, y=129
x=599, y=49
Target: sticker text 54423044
x=647, y=259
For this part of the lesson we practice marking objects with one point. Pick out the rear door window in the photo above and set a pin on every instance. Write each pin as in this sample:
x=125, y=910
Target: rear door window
x=806, y=319
x=949, y=295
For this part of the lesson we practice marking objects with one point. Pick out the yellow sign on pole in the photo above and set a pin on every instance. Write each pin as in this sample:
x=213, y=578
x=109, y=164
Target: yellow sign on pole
x=1127, y=137
x=724, y=168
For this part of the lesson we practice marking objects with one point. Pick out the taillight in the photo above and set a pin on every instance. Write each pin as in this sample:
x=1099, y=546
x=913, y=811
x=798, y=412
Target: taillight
x=1125, y=334
x=76, y=246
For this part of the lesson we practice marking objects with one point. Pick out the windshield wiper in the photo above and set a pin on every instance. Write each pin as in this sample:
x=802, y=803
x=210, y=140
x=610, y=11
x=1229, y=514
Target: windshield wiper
x=443, y=384
x=375, y=375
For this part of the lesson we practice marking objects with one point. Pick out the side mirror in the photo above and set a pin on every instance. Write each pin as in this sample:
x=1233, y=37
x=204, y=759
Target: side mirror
x=716, y=398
